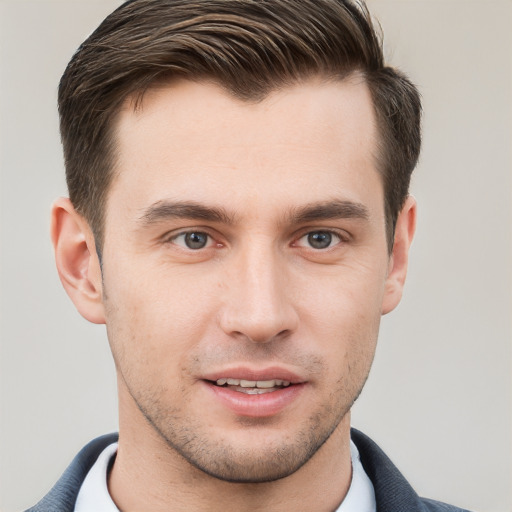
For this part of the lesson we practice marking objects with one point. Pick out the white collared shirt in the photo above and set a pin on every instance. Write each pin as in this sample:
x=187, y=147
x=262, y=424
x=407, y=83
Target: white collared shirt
x=94, y=496
x=361, y=495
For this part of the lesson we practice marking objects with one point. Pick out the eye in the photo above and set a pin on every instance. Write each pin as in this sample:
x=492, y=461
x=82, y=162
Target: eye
x=193, y=240
x=319, y=239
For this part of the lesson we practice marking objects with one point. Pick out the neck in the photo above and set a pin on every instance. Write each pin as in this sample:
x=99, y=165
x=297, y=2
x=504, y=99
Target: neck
x=148, y=474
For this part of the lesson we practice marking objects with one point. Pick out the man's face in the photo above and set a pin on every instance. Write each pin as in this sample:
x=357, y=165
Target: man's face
x=244, y=270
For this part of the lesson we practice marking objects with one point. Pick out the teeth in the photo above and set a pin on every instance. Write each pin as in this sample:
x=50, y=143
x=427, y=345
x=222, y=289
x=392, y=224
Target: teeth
x=264, y=384
x=261, y=384
x=254, y=391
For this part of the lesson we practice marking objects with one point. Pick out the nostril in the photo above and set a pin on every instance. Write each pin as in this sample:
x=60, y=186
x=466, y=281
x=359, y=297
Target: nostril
x=258, y=321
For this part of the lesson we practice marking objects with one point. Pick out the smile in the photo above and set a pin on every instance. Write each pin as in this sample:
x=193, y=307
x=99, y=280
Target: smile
x=252, y=387
x=255, y=393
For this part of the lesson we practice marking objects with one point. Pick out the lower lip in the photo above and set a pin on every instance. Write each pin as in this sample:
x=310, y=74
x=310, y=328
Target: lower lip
x=257, y=406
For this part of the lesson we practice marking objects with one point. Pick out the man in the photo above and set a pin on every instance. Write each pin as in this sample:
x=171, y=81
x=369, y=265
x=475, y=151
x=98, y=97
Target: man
x=239, y=219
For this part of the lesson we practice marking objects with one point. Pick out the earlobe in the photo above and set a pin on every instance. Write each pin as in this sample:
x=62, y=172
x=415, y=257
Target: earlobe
x=404, y=233
x=76, y=259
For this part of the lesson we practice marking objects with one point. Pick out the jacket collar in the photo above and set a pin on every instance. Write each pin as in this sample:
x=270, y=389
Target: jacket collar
x=392, y=491
x=62, y=496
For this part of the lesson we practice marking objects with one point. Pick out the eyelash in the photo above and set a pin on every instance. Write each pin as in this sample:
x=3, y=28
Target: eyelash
x=332, y=236
x=198, y=232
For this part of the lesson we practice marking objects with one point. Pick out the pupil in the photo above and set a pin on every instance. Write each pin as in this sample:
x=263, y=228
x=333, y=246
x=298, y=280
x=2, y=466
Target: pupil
x=196, y=240
x=319, y=239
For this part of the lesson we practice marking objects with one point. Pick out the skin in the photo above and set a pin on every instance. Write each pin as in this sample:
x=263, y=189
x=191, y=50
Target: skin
x=258, y=182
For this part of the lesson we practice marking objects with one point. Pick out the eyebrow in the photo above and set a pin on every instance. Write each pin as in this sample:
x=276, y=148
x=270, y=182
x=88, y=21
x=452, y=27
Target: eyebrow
x=165, y=210
x=336, y=209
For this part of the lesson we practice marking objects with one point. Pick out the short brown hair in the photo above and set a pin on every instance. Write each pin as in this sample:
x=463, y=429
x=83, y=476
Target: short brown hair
x=250, y=47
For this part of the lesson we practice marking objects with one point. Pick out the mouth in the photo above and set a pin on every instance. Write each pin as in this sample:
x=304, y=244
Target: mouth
x=255, y=394
x=251, y=387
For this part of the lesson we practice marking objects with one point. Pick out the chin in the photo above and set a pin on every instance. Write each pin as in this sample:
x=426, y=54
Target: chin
x=255, y=467
x=264, y=453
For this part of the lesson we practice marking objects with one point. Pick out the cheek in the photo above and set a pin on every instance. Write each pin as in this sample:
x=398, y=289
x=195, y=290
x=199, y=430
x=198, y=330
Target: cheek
x=345, y=296
x=151, y=324
x=343, y=316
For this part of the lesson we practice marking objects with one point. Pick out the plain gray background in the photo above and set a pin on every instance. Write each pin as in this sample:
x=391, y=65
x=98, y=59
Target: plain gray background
x=439, y=396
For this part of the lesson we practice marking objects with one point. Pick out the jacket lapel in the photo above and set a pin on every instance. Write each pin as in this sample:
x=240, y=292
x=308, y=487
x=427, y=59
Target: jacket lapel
x=62, y=496
x=392, y=491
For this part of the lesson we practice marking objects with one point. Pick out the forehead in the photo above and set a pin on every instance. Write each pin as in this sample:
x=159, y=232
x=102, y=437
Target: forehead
x=195, y=141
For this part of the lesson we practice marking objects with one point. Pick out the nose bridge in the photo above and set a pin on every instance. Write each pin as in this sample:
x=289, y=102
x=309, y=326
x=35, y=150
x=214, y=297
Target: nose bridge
x=258, y=302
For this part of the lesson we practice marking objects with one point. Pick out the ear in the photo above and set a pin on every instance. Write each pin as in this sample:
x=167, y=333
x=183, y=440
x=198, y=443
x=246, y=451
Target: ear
x=77, y=262
x=397, y=271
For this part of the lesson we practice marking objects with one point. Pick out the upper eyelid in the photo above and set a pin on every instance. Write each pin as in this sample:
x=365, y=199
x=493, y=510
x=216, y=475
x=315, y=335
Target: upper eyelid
x=341, y=233
x=171, y=240
x=175, y=233
x=196, y=231
x=215, y=236
x=335, y=233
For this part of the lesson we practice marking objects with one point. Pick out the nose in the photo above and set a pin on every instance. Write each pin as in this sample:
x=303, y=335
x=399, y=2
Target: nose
x=258, y=303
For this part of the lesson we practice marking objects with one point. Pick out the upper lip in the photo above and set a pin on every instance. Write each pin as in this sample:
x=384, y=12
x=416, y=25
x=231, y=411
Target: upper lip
x=252, y=374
